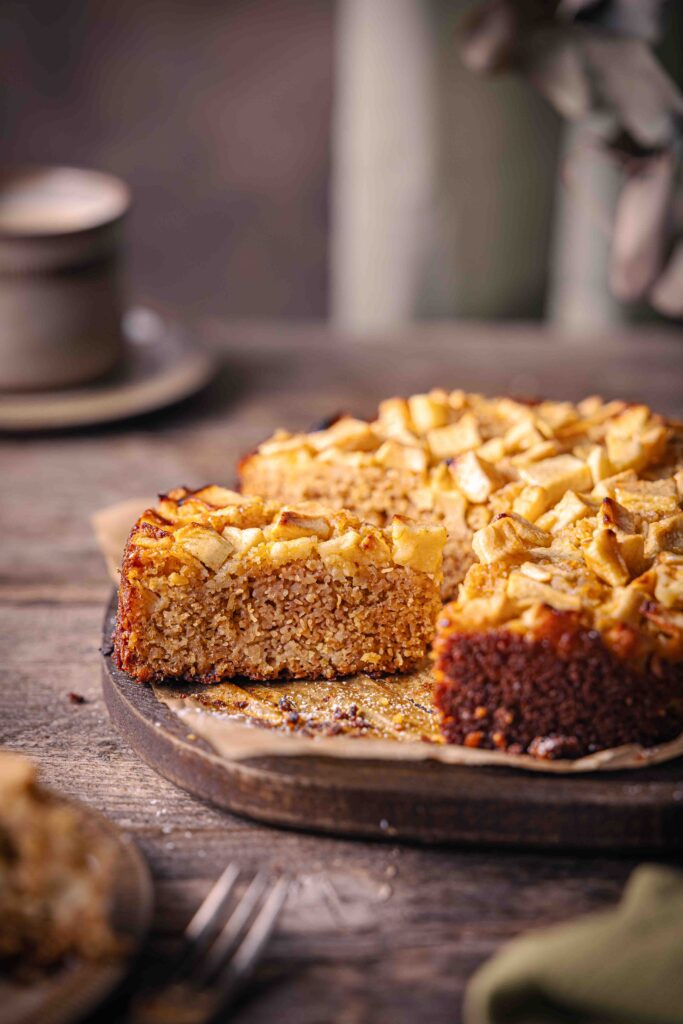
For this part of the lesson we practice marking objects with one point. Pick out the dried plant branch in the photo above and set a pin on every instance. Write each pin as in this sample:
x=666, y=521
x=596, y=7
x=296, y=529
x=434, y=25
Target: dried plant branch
x=591, y=59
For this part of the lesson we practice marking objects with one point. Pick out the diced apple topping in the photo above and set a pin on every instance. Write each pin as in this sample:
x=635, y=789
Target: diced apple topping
x=542, y=573
x=523, y=435
x=452, y=506
x=569, y=509
x=347, y=434
x=531, y=502
x=635, y=438
x=625, y=604
x=424, y=498
x=553, y=416
x=455, y=438
x=243, y=540
x=300, y=548
x=607, y=488
x=253, y=533
x=341, y=457
x=484, y=612
x=665, y=535
x=632, y=420
x=525, y=592
x=603, y=556
x=376, y=549
x=394, y=417
x=492, y=450
x=595, y=410
x=394, y=454
x=569, y=504
x=478, y=516
x=544, y=450
x=429, y=411
x=476, y=479
x=557, y=475
x=285, y=444
x=636, y=452
x=457, y=399
x=650, y=498
x=669, y=585
x=218, y=496
x=617, y=517
x=506, y=538
x=632, y=548
x=345, y=547
x=417, y=545
x=204, y=544
x=291, y=524
x=599, y=463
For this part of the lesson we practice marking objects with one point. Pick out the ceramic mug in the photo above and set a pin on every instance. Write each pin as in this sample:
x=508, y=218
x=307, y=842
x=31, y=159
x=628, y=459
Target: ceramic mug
x=60, y=294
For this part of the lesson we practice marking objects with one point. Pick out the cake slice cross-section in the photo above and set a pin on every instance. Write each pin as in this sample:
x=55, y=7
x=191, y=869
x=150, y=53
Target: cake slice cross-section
x=216, y=585
x=567, y=635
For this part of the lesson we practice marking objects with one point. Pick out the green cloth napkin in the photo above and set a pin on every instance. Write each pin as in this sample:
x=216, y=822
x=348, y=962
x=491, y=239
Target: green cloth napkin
x=618, y=966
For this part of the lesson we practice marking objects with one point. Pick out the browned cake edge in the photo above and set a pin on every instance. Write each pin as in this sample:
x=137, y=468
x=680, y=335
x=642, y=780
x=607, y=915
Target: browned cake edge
x=556, y=693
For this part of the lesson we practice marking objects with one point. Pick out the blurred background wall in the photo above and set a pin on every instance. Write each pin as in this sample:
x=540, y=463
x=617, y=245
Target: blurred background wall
x=444, y=181
x=217, y=112
x=305, y=158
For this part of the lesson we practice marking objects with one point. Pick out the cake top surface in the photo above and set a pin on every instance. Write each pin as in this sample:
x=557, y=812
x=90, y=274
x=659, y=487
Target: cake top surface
x=468, y=456
x=214, y=532
x=425, y=430
x=609, y=551
x=573, y=506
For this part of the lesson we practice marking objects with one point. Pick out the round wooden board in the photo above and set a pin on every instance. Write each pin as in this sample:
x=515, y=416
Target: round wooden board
x=417, y=801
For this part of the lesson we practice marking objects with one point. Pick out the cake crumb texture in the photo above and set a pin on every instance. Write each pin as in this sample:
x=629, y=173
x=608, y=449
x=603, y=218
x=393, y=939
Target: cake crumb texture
x=216, y=585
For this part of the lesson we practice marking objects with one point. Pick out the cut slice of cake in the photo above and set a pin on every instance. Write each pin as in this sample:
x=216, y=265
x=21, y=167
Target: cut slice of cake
x=567, y=637
x=216, y=585
x=457, y=459
x=55, y=876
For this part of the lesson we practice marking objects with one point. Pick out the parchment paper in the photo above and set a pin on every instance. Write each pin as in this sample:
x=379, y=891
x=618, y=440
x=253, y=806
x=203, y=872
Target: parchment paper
x=389, y=719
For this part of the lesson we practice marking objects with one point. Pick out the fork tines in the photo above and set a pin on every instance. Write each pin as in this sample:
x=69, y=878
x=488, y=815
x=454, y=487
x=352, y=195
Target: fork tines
x=219, y=953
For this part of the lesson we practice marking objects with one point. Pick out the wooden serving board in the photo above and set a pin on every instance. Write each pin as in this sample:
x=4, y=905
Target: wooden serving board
x=419, y=801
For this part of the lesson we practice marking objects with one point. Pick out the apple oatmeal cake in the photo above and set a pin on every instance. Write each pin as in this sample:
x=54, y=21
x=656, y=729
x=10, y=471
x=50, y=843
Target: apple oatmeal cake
x=55, y=876
x=215, y=584
x=564, y=520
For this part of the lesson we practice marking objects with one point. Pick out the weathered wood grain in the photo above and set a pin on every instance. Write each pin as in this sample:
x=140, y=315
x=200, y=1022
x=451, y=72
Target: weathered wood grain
x=378, y=932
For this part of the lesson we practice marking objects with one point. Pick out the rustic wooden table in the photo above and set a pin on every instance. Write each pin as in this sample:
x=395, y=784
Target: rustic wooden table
x=378, y=932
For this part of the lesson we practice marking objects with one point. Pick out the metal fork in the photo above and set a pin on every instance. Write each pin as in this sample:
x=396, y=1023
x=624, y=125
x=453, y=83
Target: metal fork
x=215, y=961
